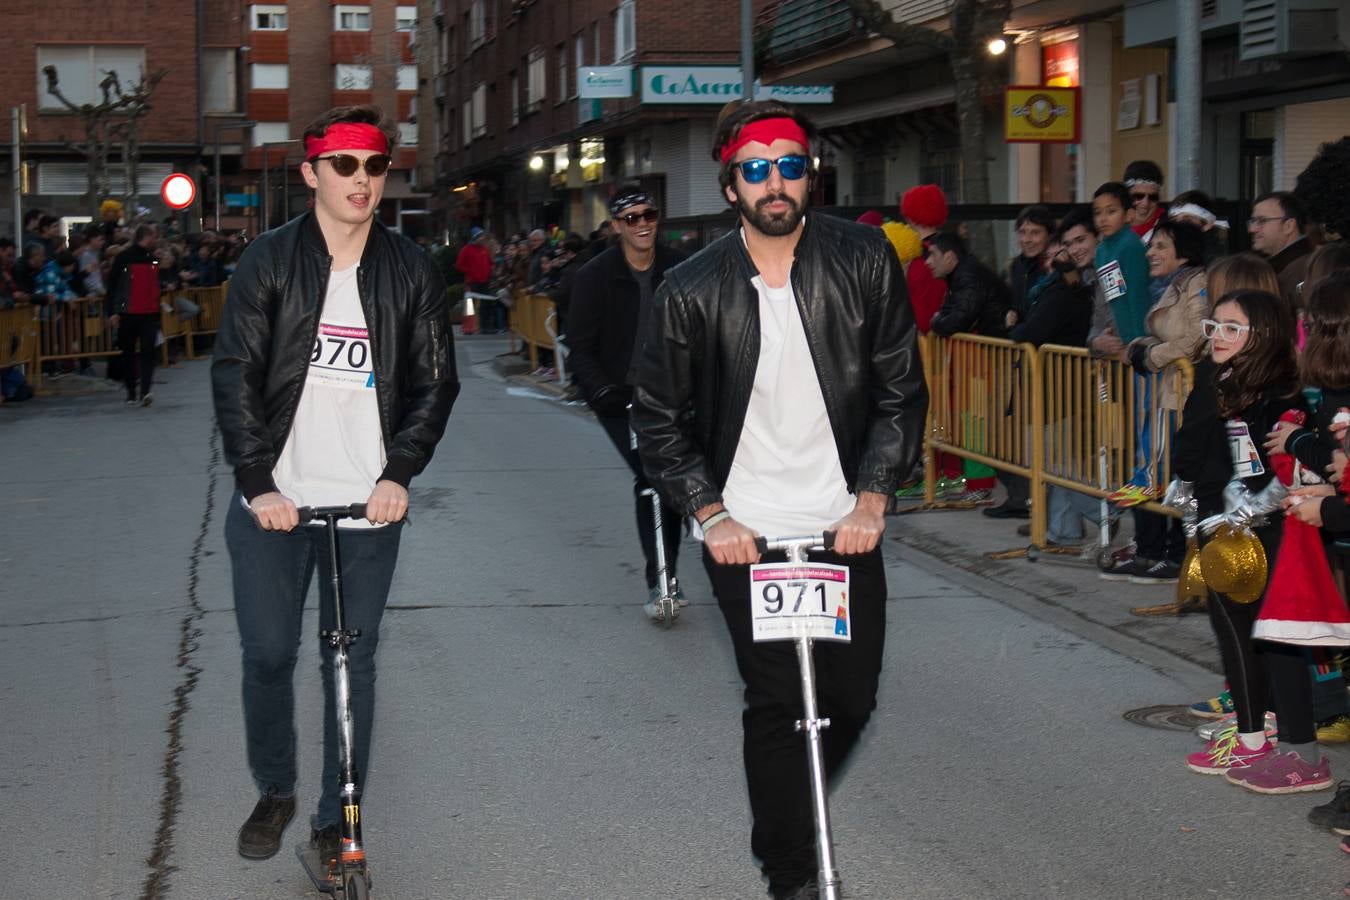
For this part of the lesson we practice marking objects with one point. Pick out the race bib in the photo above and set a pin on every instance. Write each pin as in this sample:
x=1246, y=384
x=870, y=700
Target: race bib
x=341, y=358
x=1112, y=279
x=1246, y=459
x=809, y=600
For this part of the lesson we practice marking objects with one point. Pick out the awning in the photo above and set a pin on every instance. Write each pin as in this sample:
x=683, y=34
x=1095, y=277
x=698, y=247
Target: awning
x=838, y=115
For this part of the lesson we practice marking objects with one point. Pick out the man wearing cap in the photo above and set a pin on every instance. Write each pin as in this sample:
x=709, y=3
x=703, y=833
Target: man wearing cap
x=475, y=263
x=610, y=303
x=780, y=393
x=333, y=377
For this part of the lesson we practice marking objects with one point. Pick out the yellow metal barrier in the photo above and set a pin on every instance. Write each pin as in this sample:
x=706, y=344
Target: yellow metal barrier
x=529, y=317
x=18, y=337
x=69, y=330
x=1054, y=415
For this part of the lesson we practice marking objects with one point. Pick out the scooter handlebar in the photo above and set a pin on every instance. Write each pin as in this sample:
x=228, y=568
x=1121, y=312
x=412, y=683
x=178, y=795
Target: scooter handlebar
x=824, y=541
x=310, y=513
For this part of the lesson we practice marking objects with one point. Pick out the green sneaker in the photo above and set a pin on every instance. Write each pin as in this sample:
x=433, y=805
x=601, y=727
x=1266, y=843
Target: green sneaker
x=1214, y=707
x=912, y=491
x=951, y=487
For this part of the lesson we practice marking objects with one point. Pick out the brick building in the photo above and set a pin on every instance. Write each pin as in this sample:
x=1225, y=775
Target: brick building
x=226, y=64
x=510, y=143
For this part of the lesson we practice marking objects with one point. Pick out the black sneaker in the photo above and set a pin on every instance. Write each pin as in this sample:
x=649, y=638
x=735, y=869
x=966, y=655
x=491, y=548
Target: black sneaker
x=808, y=891
x=1008, y=510
x=1336, y=814
x=260, y=836
x=1121, y=566
x=327, y=840
x=1147, y=571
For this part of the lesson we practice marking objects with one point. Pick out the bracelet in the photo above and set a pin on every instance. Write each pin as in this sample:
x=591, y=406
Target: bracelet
x=712, y=520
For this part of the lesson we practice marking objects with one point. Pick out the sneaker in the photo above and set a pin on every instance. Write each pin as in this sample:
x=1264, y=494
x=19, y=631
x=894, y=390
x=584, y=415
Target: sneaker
x=1131, y=495
x=260, y=836
x=1161, y=572
x=1214, y=707
x=327, y=840
x=1009, y=510
x=808, y=891
x=1336, y=814
x=1121, y=566
x=132, y=401
x=1283, y=773
x=147, y=399
x=680, y=598
x=1226, y=753
x=972, y=496
x=1210, y=730
x=913, y=491
x=1336, y=731
x=950, y=487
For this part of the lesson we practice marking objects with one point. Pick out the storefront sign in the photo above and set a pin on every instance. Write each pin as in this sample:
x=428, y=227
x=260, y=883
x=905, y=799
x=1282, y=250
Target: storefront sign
x=720, y=84
x=603, y=82
x=1042, y=115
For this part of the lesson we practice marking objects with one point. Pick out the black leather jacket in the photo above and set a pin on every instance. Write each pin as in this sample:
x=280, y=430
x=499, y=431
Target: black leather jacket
x=697, y=364
x=977, y=301
x=271, y=320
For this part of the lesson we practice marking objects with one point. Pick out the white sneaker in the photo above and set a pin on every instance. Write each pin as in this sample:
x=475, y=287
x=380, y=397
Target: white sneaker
x=147, y=399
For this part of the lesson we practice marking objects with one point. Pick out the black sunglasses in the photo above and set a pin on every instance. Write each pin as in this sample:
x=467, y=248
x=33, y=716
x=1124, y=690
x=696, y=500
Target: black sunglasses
x=346, y=165
x=647, y=215
x=1139, y=195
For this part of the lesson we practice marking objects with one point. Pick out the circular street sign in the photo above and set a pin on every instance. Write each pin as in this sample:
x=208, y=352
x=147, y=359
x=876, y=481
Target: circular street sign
x=178, y=191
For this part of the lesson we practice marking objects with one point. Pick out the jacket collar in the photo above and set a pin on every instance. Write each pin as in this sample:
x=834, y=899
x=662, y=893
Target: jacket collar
x=743, y=253
x=312, y=236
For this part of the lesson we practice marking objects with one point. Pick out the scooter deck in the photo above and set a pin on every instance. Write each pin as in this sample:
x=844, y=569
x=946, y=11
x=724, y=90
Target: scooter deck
x=316, y=869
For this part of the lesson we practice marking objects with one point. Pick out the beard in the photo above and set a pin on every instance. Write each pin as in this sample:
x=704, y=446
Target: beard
x=772, y=224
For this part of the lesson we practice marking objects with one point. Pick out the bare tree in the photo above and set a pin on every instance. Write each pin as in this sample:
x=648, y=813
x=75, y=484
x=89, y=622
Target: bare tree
x=974, y=72
x=118, y=110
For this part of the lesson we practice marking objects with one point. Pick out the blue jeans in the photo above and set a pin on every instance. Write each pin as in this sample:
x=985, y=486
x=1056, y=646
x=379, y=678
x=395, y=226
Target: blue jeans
x=272, y=571
x=1066, y=511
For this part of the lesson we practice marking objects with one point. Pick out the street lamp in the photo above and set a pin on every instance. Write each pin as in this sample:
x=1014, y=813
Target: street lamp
x=222, y=126
x=536, y=163
x=997, y=46
x=266, y=177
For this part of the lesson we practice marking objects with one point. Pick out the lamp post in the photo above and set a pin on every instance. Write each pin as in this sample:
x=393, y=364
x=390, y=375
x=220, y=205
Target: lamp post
x=266, y=178
x=219, y=127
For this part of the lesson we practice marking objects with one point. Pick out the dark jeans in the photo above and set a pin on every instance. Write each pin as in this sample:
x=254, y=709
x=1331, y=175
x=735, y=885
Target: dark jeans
x=672, y=523
x=133, y=327
x=1161, y=537
x=783, y=836
x=272, y=571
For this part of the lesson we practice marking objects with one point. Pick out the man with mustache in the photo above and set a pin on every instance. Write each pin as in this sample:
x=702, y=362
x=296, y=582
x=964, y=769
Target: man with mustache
x=779, y=393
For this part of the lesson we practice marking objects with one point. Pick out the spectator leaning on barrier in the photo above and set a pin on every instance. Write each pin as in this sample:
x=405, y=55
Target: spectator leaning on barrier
x=1034, y=225
x=611, y=302
x=1278, y=227
x=134, y=302
x=977, y=299
x=1122, y=269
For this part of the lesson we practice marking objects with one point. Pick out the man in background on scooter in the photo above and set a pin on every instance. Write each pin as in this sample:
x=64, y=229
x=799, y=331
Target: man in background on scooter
x=779, y=392
x=333, y=378
x=611, y=301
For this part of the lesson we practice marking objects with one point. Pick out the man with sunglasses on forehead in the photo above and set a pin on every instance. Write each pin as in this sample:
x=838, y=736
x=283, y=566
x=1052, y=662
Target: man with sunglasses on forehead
x=333, y=377
x=780, y=393
x=1144, y=180
x=611, y=302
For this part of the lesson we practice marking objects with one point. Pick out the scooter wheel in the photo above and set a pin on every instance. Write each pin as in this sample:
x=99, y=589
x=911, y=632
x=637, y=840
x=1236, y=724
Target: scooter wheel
x=1104, y=558
x=669, y=610
x=355, y=886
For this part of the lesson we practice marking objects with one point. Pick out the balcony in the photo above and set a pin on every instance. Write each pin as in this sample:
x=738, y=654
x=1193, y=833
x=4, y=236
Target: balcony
x=792, y=30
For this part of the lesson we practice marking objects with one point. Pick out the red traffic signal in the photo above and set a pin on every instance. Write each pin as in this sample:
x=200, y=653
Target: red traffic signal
x=178, y=191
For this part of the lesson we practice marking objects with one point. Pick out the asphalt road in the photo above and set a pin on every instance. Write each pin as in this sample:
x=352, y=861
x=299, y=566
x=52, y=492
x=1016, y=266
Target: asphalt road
x=536, y=737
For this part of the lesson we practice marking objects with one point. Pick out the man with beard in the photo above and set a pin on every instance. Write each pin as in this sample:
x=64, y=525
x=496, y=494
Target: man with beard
x=779, y=393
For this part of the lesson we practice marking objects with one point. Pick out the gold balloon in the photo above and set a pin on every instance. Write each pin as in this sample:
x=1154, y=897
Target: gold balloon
x=1191, y=585
x=1234, y=563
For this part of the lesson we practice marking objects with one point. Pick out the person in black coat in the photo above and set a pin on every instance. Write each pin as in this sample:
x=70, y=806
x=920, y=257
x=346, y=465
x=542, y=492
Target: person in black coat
x=611, y=297
x=977, y=299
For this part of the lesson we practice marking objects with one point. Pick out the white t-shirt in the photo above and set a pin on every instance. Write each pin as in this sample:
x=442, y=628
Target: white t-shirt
x=335, y=451
x=786, y=479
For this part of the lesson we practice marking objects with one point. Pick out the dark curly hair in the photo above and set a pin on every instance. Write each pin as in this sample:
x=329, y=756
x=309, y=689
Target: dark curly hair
x=1325, y=361
x=735, y=116
x=1324, y=187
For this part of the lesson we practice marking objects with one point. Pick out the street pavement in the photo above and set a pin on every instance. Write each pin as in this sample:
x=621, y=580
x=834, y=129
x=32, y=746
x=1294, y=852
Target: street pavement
x=536, y=737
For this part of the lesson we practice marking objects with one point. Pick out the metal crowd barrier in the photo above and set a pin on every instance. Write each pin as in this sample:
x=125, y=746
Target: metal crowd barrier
x=18, y=337
x=1054, y=415
x=530, y=317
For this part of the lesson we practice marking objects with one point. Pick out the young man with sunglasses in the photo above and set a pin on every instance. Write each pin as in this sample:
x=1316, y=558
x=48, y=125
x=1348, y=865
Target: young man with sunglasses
x=610, y=302
x=333, y=377
x=780, y=393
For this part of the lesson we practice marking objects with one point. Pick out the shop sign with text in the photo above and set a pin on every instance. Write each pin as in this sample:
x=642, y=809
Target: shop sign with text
x=1042, y=115
x=720, y=84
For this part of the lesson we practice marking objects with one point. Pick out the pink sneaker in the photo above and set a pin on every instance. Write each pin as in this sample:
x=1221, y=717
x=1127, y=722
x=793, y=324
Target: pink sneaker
x=1226, y=753
x=1283, y=773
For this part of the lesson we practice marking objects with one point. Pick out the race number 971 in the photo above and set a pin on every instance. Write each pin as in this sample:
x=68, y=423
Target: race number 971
x=787, y=602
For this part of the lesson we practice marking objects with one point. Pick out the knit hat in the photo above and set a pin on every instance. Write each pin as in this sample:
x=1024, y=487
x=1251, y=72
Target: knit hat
x=871, y=217
x=905, y=240
x=924, y=205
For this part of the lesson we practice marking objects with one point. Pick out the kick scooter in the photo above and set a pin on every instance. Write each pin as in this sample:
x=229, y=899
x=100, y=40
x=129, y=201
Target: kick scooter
x=347, y=876
x=811, y=723
x=666, y=602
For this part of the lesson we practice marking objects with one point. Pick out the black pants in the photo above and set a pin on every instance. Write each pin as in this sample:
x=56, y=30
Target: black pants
x=1018, y=488
x=616, y=427
x=783, y=835
x=133, y=327
x=1161, y=537
x=1262, y=674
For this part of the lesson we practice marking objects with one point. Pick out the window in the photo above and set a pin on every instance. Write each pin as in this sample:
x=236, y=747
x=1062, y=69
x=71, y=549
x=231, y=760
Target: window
x=562, y=73
x=535, y=89
x=405, y=18
x=349, y=77
x=80, y=69
x=271, y=76
x=407, y=134
x=72, y=179
x=407, y=78
x=351, y=18
x=268, y=18
x=271, y=132
x=581, y=60
x=595, y=39
x=515, y=99
x=219, y=80
x=625, y=30
x=468, y=122
x=480, y=110
x=477, y=23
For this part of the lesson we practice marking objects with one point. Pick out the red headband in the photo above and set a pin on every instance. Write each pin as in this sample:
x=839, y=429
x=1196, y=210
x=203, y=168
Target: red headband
x=766, y=131
x=347, y=136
